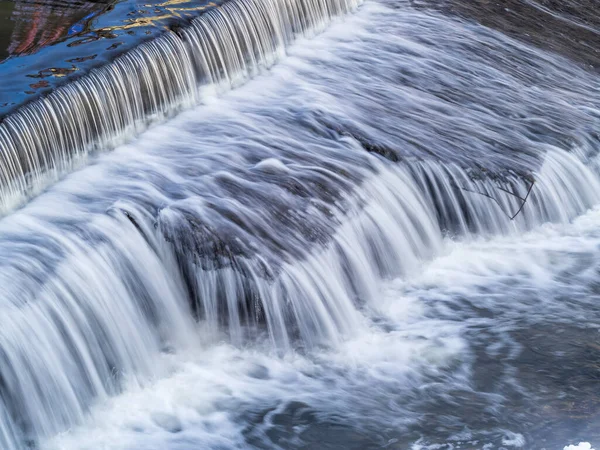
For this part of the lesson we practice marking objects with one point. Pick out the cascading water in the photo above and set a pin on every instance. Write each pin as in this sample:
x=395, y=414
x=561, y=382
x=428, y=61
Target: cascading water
x=221, y=49
x=326, y=255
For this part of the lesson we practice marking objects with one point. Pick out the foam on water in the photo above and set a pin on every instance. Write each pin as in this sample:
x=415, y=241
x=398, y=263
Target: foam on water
x=323, y=248
x=580, y=446
x=221, y=396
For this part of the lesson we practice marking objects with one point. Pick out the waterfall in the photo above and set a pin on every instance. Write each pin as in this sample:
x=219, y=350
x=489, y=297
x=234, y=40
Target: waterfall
x=124, y=290
x=259, y=221
x=238, y=273
x=219, y=50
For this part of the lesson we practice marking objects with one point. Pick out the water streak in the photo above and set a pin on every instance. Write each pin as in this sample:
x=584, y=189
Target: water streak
x=276, y=215
x=116, y=293
x=220, y=49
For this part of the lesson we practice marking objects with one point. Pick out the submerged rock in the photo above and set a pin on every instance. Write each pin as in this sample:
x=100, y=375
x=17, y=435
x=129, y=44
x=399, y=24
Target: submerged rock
x=168, y=422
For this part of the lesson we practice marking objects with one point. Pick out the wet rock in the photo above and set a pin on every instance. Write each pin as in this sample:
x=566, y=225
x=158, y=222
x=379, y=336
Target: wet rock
x=167, y=422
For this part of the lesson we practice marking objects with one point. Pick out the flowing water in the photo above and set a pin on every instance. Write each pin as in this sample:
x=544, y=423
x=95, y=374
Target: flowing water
x=49, y=43
x=321, y=224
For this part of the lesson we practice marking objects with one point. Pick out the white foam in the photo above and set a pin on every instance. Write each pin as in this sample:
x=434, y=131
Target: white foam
x=197, y=406
x=580, y=446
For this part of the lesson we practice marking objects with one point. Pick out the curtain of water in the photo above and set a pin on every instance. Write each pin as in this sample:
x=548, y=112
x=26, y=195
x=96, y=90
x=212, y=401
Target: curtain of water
x=221, y=49
x=117, y=295
x=295, y=253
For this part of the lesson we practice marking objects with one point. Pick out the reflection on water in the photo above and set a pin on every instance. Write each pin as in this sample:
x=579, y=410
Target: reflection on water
x=45, y=42
x=6, y=24
x=29, y=25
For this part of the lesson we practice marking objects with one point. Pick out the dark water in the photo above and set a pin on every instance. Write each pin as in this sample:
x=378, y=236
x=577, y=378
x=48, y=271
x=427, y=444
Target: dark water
x=315, y=244
x=570, y=28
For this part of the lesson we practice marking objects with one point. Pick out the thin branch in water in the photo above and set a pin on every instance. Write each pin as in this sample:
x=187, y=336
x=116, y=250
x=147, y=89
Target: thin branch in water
x=525, y=199
x=511, y=193
x=485, y=194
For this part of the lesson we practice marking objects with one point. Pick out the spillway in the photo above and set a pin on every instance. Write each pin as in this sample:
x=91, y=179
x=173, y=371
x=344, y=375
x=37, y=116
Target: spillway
x=221, y=49
x=294, y=223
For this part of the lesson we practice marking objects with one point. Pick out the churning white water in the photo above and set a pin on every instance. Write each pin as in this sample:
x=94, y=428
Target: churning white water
x=415, y=358
x=387, y=240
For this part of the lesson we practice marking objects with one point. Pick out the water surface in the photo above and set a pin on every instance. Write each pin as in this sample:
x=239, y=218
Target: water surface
x=320, y=252
x=45, y=43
